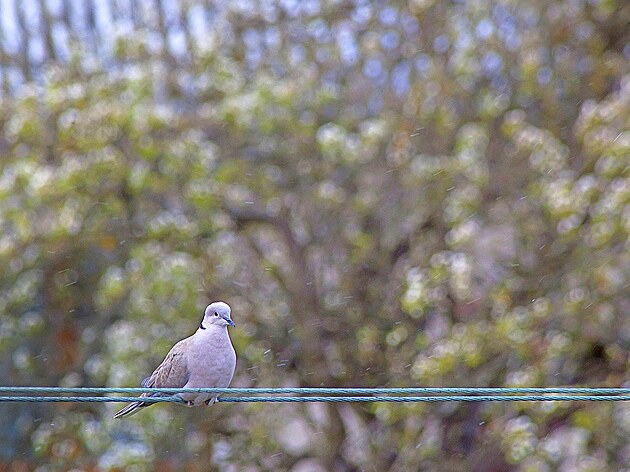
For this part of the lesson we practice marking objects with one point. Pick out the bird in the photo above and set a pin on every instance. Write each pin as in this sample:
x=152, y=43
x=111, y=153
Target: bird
x=204, y=360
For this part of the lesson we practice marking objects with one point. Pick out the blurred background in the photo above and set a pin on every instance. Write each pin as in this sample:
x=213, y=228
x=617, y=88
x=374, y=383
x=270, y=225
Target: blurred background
x=389, y=194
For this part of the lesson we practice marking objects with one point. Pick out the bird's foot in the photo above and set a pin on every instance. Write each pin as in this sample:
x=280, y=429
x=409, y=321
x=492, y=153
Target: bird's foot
x=190, y=403
x=210, y=401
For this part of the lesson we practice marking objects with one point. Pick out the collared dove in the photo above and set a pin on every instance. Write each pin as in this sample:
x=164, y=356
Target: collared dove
x=205, y=359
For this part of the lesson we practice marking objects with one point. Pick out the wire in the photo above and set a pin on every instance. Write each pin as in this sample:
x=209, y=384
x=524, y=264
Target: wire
x=328, y=399
x=431, y=399
x=334, y=391
x=364, y=395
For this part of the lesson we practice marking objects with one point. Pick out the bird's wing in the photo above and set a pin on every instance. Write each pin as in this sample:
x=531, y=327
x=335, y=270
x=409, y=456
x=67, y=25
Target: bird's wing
x=173, y=371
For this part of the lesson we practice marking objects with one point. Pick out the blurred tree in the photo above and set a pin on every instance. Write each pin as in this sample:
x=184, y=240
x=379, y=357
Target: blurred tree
x=389, y=194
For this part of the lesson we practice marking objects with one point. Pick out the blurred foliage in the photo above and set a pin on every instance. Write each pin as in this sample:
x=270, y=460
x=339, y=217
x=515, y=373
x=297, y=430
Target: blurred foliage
x=394, y=193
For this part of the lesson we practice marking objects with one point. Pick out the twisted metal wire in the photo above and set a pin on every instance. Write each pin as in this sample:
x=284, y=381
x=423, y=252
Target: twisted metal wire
x=332, y=391
x=341, y=399
x=283, y=395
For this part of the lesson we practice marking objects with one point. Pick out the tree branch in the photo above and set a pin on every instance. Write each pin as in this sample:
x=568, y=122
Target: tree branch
x=300, y=285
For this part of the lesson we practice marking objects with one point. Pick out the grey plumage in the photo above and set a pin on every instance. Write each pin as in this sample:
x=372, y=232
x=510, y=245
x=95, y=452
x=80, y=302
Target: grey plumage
x=205, y=359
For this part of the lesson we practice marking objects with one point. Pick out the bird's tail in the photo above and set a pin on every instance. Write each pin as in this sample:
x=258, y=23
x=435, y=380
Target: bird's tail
x=131, y=409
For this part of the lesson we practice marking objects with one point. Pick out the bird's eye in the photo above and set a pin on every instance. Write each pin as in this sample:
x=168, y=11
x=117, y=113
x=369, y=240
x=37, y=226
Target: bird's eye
x=216, y=314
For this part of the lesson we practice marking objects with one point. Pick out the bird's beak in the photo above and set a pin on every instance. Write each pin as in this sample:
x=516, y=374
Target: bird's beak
x=230, y=322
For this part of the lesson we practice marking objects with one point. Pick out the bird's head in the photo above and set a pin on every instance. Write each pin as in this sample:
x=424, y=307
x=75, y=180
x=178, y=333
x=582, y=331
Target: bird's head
x=217, y=313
